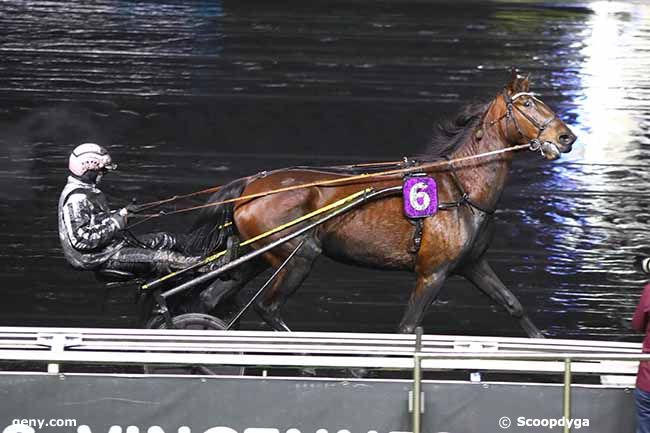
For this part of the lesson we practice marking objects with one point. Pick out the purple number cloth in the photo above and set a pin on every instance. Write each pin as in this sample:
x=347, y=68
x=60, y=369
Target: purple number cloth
x=420, y=196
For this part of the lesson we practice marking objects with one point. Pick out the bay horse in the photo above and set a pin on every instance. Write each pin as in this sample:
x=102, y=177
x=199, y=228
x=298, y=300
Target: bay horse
x=377, y=234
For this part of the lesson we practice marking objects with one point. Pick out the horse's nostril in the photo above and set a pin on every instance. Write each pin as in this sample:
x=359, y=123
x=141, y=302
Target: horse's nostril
x=567, y=139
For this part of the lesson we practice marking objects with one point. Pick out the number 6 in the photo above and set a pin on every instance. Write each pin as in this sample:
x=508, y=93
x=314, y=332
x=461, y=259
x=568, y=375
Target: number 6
x=418, y=197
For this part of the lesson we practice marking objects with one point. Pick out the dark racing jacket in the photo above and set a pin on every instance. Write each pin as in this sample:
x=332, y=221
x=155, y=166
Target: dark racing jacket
x=89, y=233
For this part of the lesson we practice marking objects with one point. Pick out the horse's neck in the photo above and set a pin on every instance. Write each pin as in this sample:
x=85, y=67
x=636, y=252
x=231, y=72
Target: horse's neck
x=484, y=178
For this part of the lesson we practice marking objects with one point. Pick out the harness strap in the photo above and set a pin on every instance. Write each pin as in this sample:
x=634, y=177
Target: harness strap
x=417, y=234
x=465, y=198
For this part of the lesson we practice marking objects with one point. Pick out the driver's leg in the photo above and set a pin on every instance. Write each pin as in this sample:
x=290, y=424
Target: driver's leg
x=145, y=262
x=157, y=241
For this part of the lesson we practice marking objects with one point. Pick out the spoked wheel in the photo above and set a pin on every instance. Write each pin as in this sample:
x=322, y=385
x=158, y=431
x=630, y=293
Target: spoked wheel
x=197, y=322
x=194, y=321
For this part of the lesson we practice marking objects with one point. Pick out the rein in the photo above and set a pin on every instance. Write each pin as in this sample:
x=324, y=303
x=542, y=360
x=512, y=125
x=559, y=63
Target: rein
x=344, y=180
x=138, y=208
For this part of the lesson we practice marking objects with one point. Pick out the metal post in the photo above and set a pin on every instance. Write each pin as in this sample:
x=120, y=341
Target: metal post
x=417, y=382
x=567, y=395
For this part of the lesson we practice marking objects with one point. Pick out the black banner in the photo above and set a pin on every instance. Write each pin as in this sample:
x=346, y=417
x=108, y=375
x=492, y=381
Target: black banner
x=131, y=404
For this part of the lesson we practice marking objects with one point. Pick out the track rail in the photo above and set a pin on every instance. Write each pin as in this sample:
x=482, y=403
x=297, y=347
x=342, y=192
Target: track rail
x=313, y=349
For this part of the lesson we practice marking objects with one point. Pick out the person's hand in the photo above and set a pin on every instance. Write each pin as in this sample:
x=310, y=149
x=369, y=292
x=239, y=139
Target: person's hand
x=121, y=217
x=124, y=213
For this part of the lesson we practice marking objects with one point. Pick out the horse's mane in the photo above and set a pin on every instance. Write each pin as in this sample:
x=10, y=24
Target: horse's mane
x=449, y=135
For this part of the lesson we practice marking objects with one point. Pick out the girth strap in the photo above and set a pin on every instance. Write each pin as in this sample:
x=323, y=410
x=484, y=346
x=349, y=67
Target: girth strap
x=417, y=234
x=418, y=223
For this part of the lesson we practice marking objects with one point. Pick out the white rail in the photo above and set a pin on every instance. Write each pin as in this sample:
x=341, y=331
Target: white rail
x=313, y=349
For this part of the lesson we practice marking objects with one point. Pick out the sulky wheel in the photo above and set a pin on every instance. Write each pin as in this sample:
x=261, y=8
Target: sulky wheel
x=155, y=322
x=193, y=321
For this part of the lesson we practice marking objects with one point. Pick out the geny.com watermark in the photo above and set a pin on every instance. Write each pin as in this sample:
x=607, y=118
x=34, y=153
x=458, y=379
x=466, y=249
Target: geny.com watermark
x=40, y=423
x=549, y=423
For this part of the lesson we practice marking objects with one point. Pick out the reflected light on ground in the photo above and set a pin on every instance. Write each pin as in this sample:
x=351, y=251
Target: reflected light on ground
x=604, y=125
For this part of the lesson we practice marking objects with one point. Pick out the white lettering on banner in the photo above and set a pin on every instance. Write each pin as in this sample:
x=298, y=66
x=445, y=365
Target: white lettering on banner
x=112, y=429
x=261, y=430
x=18, y=428
x=22, y=426
x=220, y=430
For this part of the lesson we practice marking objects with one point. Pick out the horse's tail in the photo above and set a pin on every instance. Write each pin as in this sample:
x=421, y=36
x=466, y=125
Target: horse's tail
x=215, y=223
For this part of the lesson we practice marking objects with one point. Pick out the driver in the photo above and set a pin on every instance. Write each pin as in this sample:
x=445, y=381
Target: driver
x=93, y=236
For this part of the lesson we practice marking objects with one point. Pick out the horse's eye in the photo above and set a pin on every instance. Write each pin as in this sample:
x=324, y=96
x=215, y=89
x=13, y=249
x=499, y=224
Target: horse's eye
x=528, y=103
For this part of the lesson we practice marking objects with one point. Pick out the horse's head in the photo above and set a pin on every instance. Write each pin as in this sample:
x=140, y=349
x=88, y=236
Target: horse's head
x=527, y=120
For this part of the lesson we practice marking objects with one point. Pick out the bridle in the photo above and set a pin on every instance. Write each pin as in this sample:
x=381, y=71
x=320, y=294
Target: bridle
x=534, y=144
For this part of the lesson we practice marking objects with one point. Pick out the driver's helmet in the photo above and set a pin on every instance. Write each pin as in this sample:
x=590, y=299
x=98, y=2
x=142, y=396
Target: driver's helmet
x=89, y=156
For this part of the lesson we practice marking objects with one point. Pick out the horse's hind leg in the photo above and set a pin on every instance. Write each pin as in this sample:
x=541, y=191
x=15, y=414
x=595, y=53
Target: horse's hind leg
x=285, y=284
x=218, y=290
x=426, y=291
x=481, y=274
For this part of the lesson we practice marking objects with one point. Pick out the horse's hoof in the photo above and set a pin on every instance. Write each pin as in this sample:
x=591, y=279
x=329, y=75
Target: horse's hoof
x=309, y=371
x=530, y=328
x=406, y=329
x=358, y=373
x=535, y=333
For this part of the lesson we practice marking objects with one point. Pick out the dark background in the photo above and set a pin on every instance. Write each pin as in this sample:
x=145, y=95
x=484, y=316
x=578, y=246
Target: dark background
x=190, y=94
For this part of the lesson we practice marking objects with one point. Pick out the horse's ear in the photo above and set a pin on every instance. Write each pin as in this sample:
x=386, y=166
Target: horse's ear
x=511, y=86
x=513, y=74
x=517, y=82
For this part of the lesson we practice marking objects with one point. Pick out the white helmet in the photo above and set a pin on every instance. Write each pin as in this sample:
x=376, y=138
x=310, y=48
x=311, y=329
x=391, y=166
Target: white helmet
x=89, y=156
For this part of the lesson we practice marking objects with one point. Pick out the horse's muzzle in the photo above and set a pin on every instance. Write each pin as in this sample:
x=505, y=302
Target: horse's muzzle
x=550, y=150
x=566, y=141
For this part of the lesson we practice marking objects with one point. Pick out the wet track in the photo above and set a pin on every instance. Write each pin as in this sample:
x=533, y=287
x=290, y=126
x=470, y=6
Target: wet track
x=192, y=94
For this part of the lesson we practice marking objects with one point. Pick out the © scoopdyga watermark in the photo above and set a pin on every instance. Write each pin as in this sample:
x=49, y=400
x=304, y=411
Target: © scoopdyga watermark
x=549, y=423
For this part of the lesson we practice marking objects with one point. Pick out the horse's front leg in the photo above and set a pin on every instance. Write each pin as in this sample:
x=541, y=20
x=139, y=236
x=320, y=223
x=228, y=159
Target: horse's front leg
x=425, y=293
x=481, y=274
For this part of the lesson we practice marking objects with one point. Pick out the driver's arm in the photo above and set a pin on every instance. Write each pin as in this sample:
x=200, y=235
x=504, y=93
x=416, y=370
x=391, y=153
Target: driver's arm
x=88, y=227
